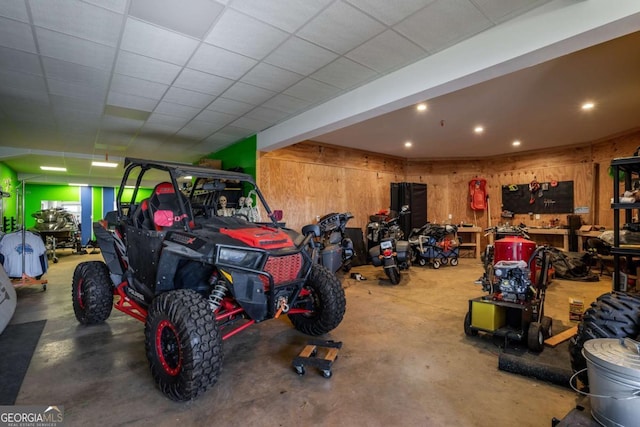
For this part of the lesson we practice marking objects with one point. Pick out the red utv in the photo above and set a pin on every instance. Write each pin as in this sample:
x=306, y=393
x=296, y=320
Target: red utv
x=196, y=278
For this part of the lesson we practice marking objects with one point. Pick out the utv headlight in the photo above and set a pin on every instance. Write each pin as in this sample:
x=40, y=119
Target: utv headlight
x=240, y=258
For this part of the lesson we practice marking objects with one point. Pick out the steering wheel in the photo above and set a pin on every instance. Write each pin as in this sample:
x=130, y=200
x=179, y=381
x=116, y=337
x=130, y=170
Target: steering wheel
x=241, y=215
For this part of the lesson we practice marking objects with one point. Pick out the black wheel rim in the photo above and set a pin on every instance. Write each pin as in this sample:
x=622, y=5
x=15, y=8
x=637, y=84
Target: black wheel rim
x=168, y=348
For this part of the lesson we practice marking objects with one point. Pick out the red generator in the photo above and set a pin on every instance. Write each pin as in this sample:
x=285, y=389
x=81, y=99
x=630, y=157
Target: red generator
x=515, y=278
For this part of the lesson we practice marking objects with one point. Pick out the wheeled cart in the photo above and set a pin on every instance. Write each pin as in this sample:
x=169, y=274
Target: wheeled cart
x=319, y=354
x=512, y=321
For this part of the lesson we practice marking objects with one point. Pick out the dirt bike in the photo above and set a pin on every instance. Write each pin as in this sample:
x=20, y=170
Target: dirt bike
x=392, y=253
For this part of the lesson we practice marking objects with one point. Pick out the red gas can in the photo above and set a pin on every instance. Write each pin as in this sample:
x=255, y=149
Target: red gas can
x=515, y=248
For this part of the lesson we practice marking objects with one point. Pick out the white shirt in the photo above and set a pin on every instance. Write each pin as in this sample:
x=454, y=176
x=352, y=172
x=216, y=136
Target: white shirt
x=11, y=248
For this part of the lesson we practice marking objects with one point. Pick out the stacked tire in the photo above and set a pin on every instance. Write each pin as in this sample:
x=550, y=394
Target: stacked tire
x=612, y=315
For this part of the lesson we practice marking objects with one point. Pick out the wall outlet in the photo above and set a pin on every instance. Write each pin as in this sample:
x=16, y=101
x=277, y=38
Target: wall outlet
x=450, y=216
x=537, y=216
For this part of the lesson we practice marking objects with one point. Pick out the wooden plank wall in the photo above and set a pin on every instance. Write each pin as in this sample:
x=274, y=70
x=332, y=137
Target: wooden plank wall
x=310, y=179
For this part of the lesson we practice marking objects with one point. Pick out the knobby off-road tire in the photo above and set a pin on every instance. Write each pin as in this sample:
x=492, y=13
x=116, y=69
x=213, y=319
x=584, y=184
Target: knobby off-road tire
x=326, y=302
x=92, y=292
x=183, y=344
x=612, y=315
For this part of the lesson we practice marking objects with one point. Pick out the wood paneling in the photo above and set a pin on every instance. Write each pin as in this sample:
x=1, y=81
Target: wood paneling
x=309, y=179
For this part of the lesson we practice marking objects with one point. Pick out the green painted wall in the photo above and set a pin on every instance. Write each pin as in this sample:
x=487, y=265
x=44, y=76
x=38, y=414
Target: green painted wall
x=9, y=183
x=96, y=207
x=36, y=193
x=241, y=154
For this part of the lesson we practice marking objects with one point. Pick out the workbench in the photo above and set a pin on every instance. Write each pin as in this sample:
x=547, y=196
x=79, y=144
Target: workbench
x=471, y=239
x=550, y=236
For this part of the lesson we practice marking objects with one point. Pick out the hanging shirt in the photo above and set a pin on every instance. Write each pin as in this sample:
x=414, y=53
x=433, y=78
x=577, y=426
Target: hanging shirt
x=34, y=252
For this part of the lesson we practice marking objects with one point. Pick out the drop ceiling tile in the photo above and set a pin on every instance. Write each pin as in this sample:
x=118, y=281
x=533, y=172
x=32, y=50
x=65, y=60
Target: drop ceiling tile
x=131, y=101
x=148, y=40
x=78, y=19
x=215, y=117
x=142, y=67
x=255, y=125
x=28, y=95
x=268, y=115
x=73, y=49
x=499, y=11
x=387, y=51
x=238, y=133
x=230, y=106
x=193, y=17
x=157, y=130
x=176, y=110
x=269, y=77
x=188, y=97
x=340, y=28
x=16, y=35
x=312, y=90
x=62, y=102
x=116, y=5
x=138, y=87
x=17, y=60
x=65, y=115
x=14, y=9
x=300, y=56
x=120, y=124
x=166, y=120
x=286, y=14
x=198, y=129
x=21, y=81
x=126, y=113
x=247, y=93
x=443, y=23
x=214, y=60
x=247, y=36
x=9, y=103
x=68, y=71
x=92, y=94
x=390, y=12
x=287, y=104
x=202, y=82
x=344, y=73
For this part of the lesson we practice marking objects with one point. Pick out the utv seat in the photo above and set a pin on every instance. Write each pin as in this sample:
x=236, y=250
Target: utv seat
x=164, y=208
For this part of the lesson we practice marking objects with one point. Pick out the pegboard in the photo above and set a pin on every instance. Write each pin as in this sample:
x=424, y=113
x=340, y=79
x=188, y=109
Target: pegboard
x=548, y=200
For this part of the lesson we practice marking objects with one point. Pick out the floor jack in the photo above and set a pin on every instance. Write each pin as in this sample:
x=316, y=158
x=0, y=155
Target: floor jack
x=309, y=356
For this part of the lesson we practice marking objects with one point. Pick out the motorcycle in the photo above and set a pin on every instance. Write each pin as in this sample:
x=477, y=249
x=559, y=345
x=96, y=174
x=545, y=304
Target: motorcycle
x=392, y=253
x=335, y=249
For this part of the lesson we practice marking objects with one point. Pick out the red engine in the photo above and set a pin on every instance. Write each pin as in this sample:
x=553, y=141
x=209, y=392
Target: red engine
x=513, y=270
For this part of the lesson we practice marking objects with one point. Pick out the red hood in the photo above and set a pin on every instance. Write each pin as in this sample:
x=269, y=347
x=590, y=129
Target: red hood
x=260, y=237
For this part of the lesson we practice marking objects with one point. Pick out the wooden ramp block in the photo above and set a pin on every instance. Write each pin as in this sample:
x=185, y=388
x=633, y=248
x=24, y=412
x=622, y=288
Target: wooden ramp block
x=561, y=337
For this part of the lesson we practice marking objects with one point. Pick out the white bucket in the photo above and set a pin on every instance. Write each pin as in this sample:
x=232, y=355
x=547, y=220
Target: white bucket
x=613, y=368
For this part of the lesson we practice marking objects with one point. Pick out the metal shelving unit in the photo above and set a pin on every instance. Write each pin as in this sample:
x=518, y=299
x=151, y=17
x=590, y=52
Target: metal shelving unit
x=631, y=168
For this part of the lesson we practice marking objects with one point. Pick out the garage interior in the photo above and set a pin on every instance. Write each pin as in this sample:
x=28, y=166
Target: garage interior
x=318, y=102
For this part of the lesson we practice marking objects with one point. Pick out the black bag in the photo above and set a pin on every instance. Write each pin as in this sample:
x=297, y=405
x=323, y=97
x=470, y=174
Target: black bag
x=572, y=265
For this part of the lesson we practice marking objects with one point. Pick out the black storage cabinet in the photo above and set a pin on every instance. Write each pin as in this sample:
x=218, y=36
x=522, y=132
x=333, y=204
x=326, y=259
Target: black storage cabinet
x=412, y=194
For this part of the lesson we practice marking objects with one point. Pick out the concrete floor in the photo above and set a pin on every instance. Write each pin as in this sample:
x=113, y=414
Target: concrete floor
x=405, y=361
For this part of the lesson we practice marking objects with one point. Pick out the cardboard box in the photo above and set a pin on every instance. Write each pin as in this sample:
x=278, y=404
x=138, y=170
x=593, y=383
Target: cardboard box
x=576, y=309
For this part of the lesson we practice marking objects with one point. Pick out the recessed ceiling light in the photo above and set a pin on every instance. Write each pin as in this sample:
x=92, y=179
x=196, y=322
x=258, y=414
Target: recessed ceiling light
x=588, y=106
x=105, y=164
x=516, y=143
x=421, y=107
x=53, y=168
x=73, y=184
x=478, y=129
x=408, y=144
